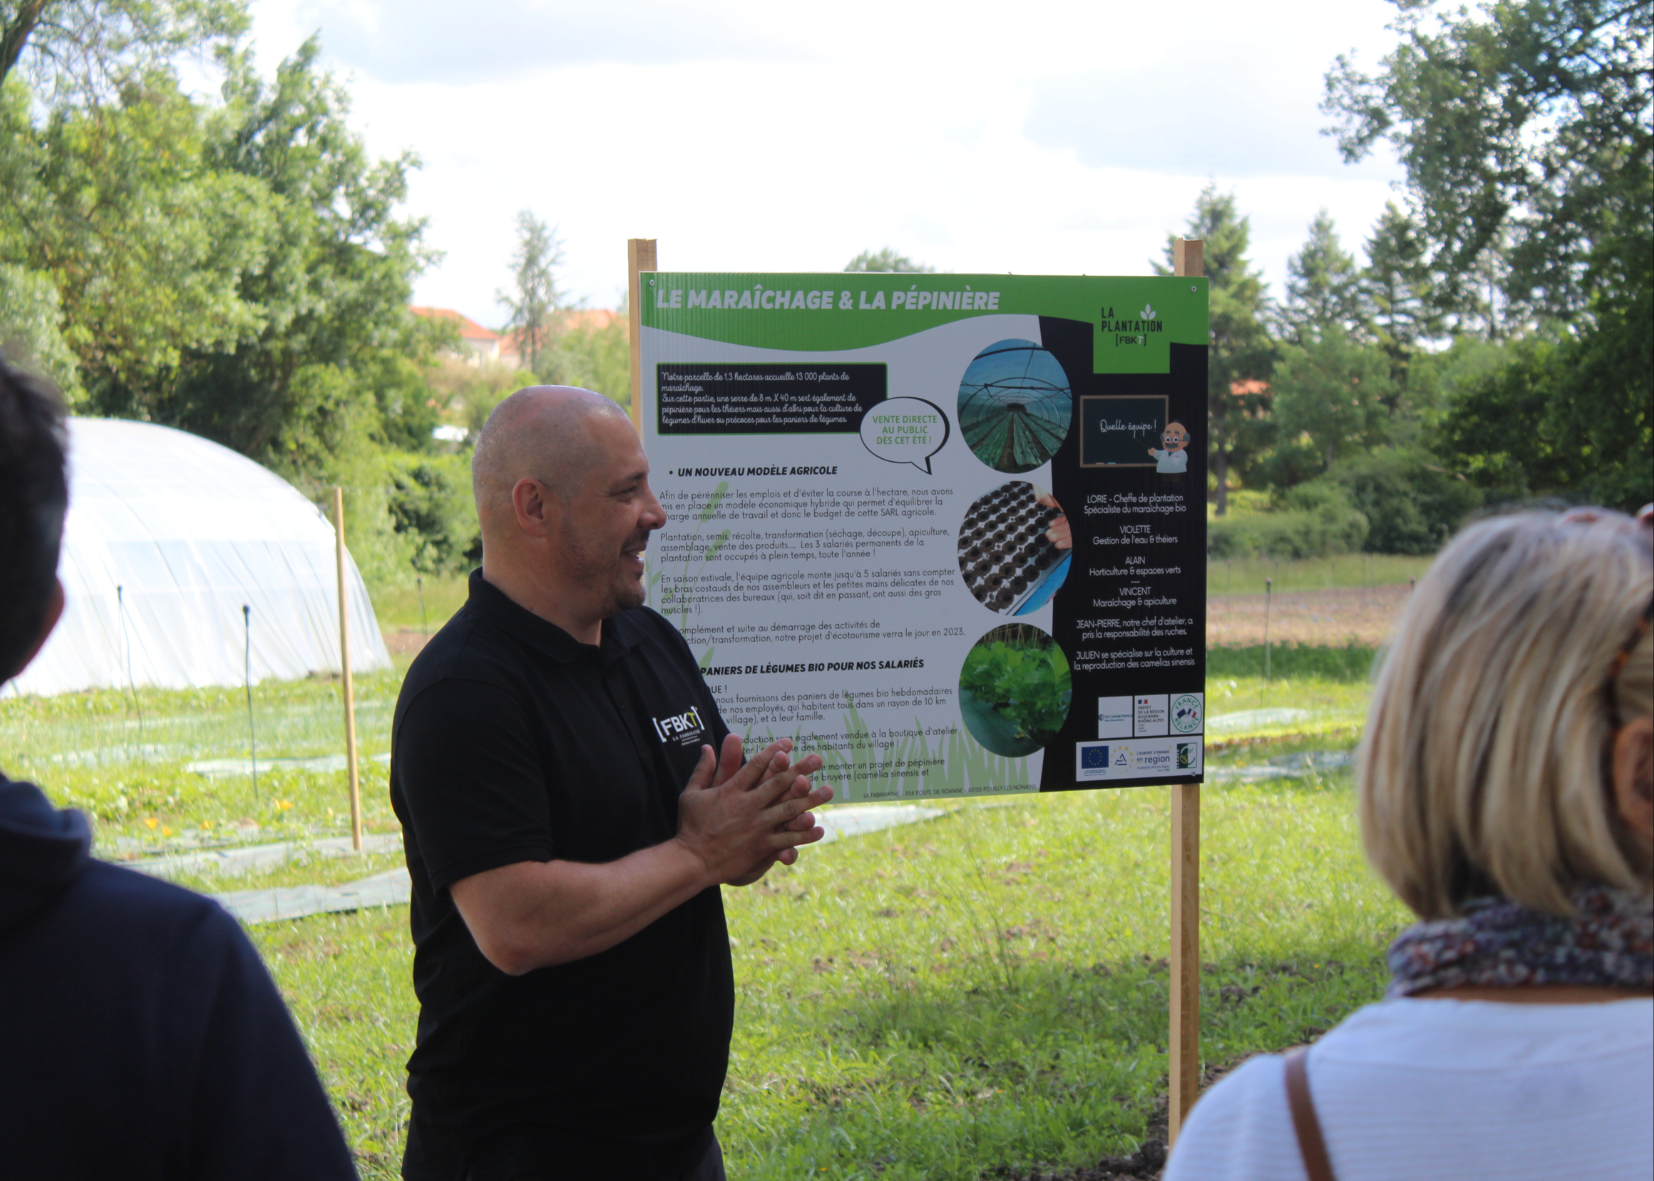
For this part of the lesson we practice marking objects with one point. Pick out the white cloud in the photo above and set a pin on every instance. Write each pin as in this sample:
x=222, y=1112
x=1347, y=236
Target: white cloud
x=1058, y=138
x=414, y=41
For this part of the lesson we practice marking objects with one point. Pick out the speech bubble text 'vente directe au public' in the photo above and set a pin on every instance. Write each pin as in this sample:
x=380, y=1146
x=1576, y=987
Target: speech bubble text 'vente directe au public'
x=905, y=430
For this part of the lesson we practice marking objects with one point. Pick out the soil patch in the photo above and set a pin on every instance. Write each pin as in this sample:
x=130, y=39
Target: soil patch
x=405, y=641
x=1146, y=1164
x=1360, y=615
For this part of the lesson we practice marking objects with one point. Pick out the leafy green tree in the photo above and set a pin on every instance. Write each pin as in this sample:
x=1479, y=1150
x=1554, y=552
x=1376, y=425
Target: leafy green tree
x=1529, y=119
x=887, y=261
x=1526, y=431
x=31, y=320
x=238, y=270
x=1241, y=351
x=534, y=299
x=1333, y=389
x=1526, y=133
x=594, y=356
x=334, y=347
x=86, y=51
x=1396, y=287
x=1323, y=288
x=467, y=394
x=143, y=239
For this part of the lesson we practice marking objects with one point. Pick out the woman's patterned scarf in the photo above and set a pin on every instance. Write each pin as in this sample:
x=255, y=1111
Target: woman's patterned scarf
x=1498, y=943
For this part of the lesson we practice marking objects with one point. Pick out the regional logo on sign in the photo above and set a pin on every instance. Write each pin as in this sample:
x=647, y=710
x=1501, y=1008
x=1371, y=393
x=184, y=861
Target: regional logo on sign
x=1189, y=713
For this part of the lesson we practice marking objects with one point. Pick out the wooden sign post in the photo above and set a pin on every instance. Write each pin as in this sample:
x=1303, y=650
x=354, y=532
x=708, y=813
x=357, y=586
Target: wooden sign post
x=640, y=257
x=1184, y=1045
x=344, y=664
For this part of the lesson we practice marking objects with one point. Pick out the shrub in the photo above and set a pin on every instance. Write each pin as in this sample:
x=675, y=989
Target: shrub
x=1310, y=521
x=1411, y=503
x=1287, y=462
x=431, y=507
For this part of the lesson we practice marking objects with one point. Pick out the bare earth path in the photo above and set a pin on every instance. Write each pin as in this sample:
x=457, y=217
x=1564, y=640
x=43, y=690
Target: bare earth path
x=1359, y=615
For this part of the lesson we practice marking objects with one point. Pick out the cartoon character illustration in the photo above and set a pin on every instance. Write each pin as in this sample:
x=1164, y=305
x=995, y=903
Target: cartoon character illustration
x=1174, y=460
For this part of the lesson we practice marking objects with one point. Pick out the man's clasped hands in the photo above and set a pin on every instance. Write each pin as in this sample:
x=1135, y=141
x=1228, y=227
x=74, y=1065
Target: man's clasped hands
x=740, y=818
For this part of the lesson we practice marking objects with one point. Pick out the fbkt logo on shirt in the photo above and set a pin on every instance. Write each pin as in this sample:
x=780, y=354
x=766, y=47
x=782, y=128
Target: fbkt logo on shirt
x=686, y=727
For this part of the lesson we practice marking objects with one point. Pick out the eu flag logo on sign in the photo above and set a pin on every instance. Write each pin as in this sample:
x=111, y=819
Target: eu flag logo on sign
x=1093, y=757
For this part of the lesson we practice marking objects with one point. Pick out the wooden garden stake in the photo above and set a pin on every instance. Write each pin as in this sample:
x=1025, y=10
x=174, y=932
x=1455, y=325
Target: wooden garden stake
x=344, y=664
x=1184, y=1043
x=640, y=257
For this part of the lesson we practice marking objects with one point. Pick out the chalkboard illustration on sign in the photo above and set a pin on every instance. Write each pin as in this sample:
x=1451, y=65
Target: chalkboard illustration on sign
x=1014, y=406
x=1118, y=430
x=1015, y=690
x=1014, y=548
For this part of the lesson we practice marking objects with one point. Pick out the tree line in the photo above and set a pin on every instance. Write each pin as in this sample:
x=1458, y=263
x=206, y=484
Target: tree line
x=237, y=264
x=1495, y=342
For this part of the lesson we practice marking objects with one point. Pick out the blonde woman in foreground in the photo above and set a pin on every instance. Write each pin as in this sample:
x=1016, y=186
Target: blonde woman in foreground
x=1506, y=785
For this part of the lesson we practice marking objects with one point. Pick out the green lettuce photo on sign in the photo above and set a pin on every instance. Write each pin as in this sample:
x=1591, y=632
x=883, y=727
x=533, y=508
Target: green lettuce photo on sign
x=1015, y=690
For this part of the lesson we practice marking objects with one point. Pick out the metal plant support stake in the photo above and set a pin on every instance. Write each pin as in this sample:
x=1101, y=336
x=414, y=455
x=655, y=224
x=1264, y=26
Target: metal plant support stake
x=247, y=664
x=126, y=642
x=1268, y=587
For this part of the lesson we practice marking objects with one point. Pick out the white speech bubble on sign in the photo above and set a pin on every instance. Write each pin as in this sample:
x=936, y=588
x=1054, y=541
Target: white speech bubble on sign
x=905, y=430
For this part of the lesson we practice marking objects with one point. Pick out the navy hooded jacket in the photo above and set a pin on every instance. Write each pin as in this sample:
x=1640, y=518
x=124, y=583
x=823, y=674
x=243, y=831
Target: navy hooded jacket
x=140, y=1036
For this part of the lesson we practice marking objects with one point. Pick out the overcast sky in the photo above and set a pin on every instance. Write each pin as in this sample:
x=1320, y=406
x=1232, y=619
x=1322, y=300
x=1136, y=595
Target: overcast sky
x=1039, y=138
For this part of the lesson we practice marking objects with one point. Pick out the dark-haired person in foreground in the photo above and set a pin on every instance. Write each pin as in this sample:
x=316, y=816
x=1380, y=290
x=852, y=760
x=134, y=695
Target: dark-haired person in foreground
x=143, y=1038
x=568, y=825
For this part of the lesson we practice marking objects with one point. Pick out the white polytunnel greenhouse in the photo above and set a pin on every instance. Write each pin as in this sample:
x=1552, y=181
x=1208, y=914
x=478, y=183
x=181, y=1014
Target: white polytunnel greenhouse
x=168, y=537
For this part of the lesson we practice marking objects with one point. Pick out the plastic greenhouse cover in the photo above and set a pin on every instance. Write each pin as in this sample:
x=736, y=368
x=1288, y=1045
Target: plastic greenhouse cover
x=1014, y=405
x=168, y=536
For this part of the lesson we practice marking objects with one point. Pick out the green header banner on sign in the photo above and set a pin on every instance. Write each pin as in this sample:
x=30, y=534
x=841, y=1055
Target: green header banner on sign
x=1134, y=320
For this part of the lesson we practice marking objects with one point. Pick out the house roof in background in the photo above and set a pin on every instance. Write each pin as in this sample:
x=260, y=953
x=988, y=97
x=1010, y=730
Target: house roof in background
x=569, y=319
x=469, y=329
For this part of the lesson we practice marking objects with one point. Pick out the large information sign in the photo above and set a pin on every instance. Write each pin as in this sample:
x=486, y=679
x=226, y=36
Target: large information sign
x=948, y=531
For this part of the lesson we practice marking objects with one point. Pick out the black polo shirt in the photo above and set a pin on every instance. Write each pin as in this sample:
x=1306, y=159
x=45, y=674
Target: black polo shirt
x=514, y=742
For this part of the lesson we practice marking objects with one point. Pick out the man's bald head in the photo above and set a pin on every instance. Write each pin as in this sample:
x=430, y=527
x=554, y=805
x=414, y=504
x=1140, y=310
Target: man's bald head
x=542, y=432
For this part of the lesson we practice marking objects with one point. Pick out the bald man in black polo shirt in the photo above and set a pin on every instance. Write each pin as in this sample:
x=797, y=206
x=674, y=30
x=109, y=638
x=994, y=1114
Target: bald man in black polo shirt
x=568, y=825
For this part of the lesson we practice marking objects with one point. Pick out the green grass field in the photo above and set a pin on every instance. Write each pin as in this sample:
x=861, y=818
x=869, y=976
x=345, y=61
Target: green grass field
x=123, y=759
x=1246, y=576
x=399, y=606
x=983, y=989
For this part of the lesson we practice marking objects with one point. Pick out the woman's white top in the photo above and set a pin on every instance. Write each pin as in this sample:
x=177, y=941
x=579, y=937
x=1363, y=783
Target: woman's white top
x=1423, y=1089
